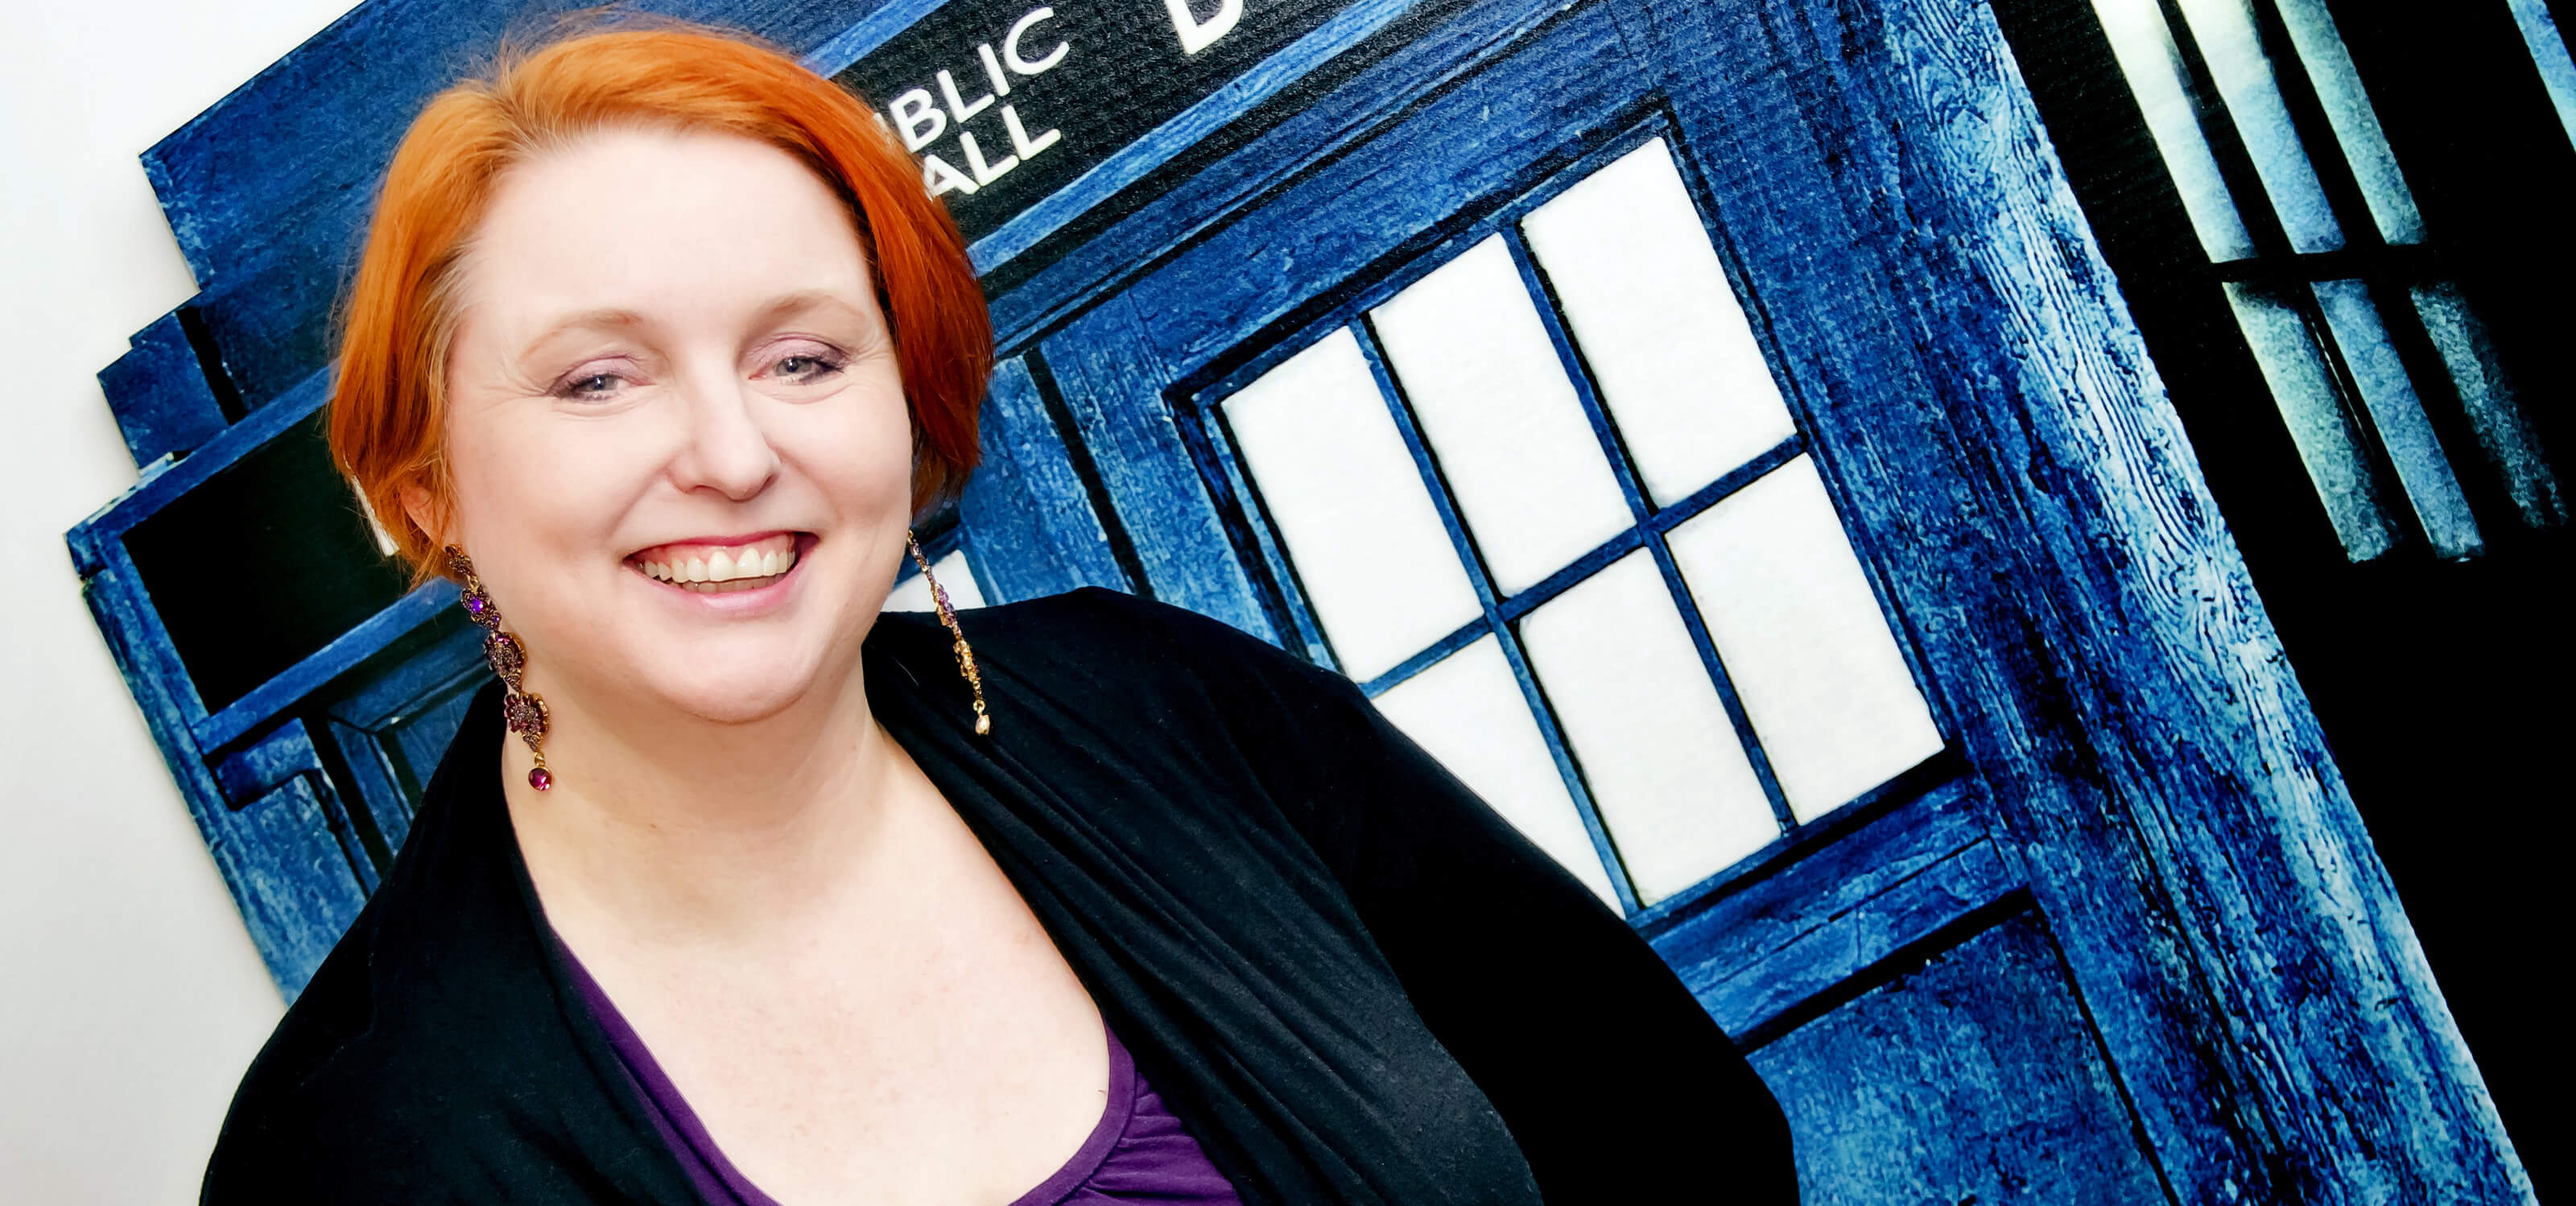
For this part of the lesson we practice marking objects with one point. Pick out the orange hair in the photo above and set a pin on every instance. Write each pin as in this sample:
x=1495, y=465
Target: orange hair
x=388, y=402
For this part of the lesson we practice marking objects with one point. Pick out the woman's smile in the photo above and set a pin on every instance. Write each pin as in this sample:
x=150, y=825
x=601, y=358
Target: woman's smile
x=735, y=577
x=720, y=565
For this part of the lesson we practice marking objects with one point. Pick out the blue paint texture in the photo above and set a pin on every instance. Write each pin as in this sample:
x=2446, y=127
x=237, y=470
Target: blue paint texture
x=158, y=391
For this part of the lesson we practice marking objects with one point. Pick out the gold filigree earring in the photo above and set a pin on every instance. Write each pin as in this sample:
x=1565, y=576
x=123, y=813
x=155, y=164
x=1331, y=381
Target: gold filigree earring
x=522, y=710
x=948, y=617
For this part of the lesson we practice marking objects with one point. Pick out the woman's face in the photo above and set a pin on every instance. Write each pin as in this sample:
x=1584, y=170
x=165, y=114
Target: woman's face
x=675, y=427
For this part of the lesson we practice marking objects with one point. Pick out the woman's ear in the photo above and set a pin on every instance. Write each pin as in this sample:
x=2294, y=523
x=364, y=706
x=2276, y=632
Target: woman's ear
x=425, y=513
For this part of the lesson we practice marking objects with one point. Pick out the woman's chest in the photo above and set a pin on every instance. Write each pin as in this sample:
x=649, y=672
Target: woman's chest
x=925, y=1043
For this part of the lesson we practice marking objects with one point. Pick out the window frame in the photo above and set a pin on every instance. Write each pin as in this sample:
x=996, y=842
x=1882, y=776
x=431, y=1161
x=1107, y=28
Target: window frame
x=1197, y=405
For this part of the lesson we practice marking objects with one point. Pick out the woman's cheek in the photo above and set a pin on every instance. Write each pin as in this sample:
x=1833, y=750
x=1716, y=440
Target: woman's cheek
x=862, y=454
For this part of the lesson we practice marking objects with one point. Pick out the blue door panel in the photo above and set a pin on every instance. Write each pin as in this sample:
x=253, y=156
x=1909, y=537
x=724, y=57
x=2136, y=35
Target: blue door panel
x=392, y=726
x=1403, y=189
x=279, y=846
x=1113, y=385
x=1035, y=529
x=1442, y=49
x=164, y=402
x=285, y=759
x=1980, y=1053
x=1841, y=901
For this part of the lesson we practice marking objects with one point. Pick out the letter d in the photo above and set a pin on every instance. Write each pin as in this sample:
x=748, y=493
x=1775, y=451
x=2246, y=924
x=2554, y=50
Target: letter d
x=1196, y=37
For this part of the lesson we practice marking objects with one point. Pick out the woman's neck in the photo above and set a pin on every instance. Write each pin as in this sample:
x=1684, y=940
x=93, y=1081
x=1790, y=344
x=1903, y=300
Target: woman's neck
x=674, y=830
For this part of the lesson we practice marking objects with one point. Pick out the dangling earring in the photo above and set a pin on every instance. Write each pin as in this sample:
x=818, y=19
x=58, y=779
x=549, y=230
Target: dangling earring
x=948, y=617
x=525, y=713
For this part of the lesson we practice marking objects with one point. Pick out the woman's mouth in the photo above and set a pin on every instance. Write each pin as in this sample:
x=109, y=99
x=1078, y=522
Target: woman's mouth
x=719, y=566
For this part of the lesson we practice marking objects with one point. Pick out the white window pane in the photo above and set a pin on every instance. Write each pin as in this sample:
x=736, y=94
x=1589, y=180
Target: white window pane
x=2549, y=53
x=1494, y=404
x=2328, y=444
x=1346, y=498
x=2225, y=31
x=2404, y=433
x=2356, y=124
x=1803, y=640
x=1657, y=750
x=2494, y=412
x=2144, y=47
x=913, y=593
x=1652, y=310
x=1468, y=711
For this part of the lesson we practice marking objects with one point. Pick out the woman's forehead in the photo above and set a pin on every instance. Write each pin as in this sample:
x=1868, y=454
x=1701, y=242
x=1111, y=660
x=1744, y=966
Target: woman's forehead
x=658, y=224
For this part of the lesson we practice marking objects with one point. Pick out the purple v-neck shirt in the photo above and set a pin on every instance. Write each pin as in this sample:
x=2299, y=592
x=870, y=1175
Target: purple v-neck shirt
x=1140, y=1151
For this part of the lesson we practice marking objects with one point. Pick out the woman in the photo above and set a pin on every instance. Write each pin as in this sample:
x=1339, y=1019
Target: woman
x=657, y=347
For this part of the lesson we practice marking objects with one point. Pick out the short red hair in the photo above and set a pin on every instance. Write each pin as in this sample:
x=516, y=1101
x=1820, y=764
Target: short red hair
x=388, y=402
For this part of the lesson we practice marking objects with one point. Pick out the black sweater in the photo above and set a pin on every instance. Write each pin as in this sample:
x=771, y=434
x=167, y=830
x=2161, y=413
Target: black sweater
x=1352, y=979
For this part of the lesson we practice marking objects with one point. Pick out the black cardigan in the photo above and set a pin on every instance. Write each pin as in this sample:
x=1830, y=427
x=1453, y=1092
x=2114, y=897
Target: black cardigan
x=1352, y=980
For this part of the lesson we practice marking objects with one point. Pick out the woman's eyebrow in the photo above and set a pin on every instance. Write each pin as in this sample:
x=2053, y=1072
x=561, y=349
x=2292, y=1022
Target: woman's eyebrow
x=807, y=299
x=603, y=319
x=616, y=318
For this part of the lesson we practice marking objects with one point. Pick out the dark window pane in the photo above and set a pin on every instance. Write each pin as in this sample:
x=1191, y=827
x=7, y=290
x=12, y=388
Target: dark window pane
x=262, y=564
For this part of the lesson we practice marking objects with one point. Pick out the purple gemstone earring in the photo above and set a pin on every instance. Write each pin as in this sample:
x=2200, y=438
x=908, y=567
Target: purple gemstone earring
x=522, y=710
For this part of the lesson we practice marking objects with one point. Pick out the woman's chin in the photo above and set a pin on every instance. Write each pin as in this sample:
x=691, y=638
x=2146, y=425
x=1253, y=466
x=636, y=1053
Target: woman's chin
x=736, y=699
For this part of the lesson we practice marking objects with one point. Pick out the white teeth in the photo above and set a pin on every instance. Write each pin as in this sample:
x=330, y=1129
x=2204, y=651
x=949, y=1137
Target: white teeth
x=724, y=565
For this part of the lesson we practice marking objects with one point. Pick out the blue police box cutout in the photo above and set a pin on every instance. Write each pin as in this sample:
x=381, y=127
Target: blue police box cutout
x=2084, y=912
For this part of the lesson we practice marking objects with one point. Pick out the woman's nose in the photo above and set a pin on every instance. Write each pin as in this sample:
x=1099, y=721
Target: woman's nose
x=727, y=451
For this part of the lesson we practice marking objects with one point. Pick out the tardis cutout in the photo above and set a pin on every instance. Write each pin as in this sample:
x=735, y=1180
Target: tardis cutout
x=1708, y=428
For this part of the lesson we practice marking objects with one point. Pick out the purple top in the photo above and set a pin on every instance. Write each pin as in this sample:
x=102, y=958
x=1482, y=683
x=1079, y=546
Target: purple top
x=1140, y=1151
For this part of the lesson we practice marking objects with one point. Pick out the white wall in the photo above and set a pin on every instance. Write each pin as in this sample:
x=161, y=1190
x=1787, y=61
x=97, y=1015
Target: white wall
x=130, y=996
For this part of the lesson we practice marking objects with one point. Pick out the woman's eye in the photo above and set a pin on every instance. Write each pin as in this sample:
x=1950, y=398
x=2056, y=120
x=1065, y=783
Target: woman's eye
x=804, y=367
x=589, y=386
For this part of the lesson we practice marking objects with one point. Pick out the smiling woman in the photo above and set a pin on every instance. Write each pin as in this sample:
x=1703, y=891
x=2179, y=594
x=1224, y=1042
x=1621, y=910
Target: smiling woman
x=404, y=308
x=659, y=346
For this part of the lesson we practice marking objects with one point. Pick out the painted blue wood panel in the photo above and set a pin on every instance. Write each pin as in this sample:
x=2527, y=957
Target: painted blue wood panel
x=1396, y=197
x=1973, y=1077
x=278, y=854
x=1807, y=924
x=1434, y=57
x=1988, y=409
x=1114, y=386
x=1036, y=532
x=301, y=894
x=396, y=724
x=286, y=756
x=159, y=393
